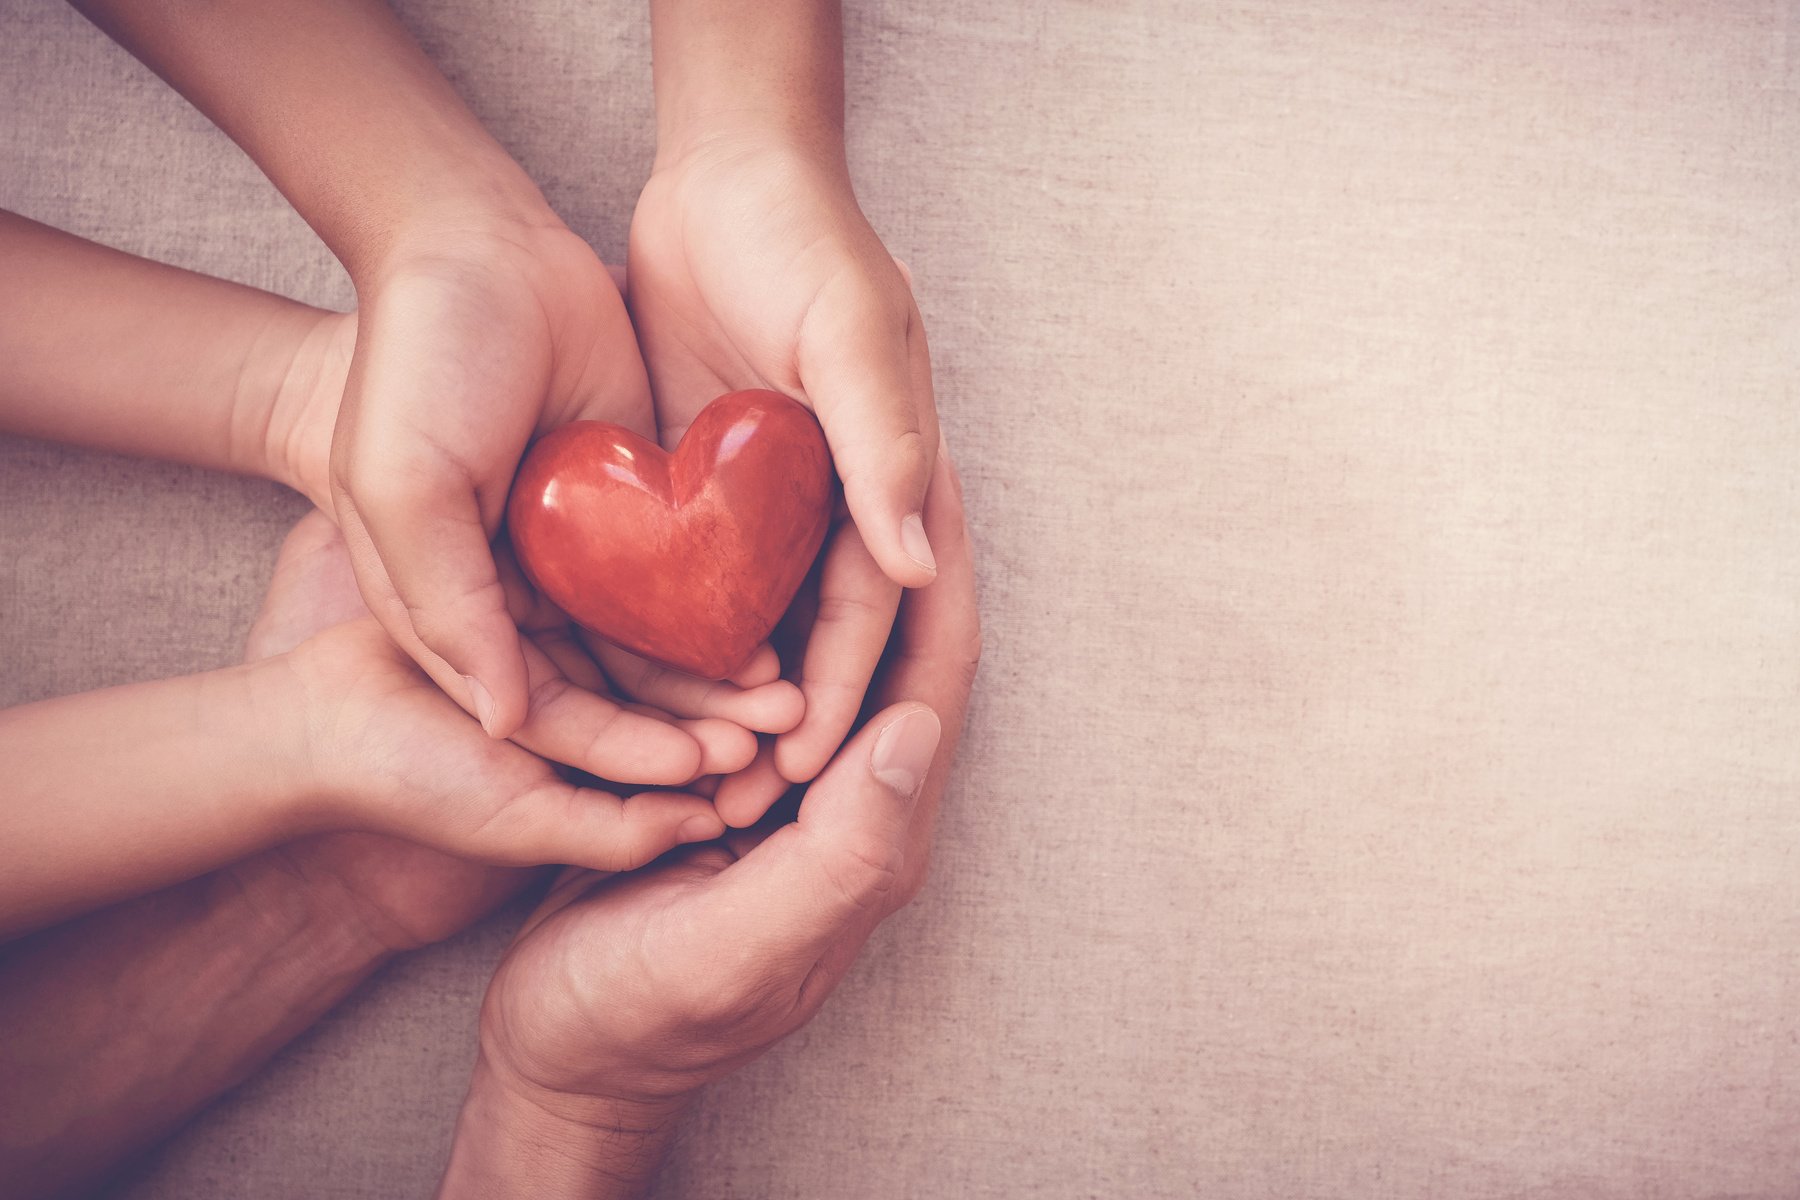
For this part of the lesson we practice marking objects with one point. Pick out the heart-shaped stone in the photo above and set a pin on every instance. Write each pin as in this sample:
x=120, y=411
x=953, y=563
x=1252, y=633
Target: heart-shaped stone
x=686, y=558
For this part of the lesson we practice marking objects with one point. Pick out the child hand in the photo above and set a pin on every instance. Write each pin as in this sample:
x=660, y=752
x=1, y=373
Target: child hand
x=469, y=343
x=401, y=894
x=620, y=997
x=303, y=417
x=388, y=752
x=752, y=266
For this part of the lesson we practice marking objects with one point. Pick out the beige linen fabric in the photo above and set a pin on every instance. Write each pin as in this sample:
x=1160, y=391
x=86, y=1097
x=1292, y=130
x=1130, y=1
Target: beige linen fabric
x=1381, y=436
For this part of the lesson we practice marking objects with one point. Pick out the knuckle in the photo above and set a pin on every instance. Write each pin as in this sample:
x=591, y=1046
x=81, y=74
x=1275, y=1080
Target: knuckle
x=630, y=853
x=863, y=870
x=897, y=461
x=845, y=608
x=374, y=482
x=439, y=621
x=603, y=734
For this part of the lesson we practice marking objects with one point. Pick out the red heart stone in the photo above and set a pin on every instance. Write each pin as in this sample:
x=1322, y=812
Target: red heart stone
x=687, y=558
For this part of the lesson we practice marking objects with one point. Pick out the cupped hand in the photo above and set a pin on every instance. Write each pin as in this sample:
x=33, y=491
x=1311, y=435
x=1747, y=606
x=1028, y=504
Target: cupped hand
x=469, y=342
x=403, y=894
x=751, y=265
x=385, y=751
x=300, y=431
x=623, y=994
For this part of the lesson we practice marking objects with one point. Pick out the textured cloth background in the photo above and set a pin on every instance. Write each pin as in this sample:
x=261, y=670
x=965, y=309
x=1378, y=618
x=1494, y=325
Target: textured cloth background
x=1381, y=437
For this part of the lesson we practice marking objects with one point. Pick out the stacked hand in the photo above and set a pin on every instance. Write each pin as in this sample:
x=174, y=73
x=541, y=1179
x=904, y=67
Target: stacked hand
x=624, y=994
x=451, y=711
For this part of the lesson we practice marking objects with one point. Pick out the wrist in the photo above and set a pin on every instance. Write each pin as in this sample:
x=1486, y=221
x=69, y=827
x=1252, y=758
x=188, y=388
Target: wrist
x=458, y=196
x=741, y=70
x=295, y=397
x=306, y=912
x=697, y=132
x=263, y=727
x=340, y=107
x=514, y=1139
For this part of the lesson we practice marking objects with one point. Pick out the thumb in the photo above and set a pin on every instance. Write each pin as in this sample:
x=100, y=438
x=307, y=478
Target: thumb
x=422, y=557
x=829, y=876
x=863, y=365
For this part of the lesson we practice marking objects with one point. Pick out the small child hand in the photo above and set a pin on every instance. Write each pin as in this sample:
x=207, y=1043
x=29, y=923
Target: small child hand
x=751, y=265
x=390, y=753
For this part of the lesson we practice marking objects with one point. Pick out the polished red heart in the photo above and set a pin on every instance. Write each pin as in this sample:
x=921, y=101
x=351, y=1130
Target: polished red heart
x=687, y=558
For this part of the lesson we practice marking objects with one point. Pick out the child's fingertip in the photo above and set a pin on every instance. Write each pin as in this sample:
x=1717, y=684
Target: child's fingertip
x=725, y=745
x=784, y=707
x=763, y=667
x=663, y=755
x=701, y=827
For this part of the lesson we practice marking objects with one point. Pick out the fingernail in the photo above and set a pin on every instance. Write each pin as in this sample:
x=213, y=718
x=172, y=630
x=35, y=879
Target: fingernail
x=915, y=543
x=483, y=702
x=699, y=828
x=903, y=753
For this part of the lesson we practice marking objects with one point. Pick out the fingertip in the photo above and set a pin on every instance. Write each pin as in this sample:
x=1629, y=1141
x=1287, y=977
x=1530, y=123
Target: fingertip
x=479, y=701
x=701, y=827
x=499, y=720
x=725, y=746
x=799, y=757
x=781, y=707
x=904, y=750
x=916, y=544
x=659, y=753
x=744, y=797
x=764, y=666
x=904, y=555
x=623, y=835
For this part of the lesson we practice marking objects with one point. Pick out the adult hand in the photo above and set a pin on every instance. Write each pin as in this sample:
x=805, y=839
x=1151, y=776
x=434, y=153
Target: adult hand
x=622, y=995
x=751, y=265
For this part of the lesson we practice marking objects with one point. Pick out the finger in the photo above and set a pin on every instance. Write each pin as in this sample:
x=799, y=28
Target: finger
x=559, y=823
x=856, y=359
x=725, y=746
x=773, y=707
x=828, y=877
x=938, y=641
x=580, y=729
x=422, y=558
x=764, y=667
x=856, y=605
x=744, y=796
